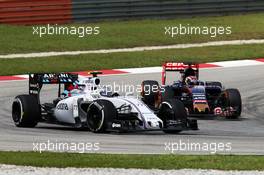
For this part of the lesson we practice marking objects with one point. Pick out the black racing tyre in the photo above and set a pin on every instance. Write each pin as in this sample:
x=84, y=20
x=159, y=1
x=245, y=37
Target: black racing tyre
x=99, y=113
x=168, y=93
x=173, y=109
x=26, y=111
x=214, y=83
x=150, y=90
x=234, y=100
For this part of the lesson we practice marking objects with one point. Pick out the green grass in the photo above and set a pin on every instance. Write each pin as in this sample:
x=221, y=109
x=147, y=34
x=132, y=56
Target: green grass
x=114, y=34
x=127, y=60
x=221, y=162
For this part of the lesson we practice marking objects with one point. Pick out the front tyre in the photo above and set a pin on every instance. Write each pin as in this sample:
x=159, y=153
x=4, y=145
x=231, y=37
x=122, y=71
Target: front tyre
x=150, y=92
x=99, y=113
x=234, y=101
x=26, y=111
x=173, y=109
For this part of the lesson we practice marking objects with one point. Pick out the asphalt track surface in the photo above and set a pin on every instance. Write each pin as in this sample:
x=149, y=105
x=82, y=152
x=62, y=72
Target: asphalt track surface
x=245, y=135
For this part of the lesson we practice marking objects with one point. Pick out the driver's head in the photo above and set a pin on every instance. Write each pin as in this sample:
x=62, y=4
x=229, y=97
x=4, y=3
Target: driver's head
x=191, y=81
x=189, y=71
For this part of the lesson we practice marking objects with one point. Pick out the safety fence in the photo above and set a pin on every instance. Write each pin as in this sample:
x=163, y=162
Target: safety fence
x=66, y=11
x=125, y=9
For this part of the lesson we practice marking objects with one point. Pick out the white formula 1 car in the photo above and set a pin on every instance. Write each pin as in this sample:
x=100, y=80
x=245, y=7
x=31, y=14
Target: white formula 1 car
x=85, y=104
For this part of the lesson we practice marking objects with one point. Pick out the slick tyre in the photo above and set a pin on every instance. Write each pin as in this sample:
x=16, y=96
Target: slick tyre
x=99, y=114
x=26, y=111
x=150, y=90
x=173, y=109
x=234, y=100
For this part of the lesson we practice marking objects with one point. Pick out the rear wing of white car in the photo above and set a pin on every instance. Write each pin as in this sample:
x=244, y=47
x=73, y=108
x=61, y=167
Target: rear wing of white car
x=36, y=81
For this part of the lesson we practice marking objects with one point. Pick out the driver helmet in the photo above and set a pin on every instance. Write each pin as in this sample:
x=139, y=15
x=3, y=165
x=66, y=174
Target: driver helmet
x=189, y=71
x=191, y=80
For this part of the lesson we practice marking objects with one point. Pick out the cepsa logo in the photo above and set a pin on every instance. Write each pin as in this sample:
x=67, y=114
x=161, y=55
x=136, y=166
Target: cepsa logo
x=175, y=64
x=178, y=66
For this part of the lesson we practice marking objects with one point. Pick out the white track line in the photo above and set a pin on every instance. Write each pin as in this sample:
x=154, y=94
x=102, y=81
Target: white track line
x=238, y=63
x=135, y=49
x=17, y=170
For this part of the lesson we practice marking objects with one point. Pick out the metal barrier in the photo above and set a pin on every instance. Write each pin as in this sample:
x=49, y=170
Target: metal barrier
x=63, y=11
x=124, y=9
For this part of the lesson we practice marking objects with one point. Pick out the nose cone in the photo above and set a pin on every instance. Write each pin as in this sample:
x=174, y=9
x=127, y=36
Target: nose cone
x=155, y=124
x=201, y=107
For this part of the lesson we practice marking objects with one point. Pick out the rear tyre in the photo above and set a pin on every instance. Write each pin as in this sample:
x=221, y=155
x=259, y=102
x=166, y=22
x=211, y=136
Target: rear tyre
x=173, y=109
x=234, y=100
x=150, y=91
x=99, y=114
x=26, y=111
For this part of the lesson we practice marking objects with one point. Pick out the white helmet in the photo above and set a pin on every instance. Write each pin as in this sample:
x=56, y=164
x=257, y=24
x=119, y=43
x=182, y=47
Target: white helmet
x=88, y=83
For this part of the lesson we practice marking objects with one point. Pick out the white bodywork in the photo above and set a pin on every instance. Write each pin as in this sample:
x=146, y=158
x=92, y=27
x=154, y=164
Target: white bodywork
x=67, y=109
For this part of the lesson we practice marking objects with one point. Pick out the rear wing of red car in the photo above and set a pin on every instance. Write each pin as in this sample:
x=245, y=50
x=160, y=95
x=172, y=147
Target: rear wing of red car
x=178, y=67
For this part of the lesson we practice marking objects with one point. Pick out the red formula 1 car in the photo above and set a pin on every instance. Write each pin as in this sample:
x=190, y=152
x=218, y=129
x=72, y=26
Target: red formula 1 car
x=200, y=98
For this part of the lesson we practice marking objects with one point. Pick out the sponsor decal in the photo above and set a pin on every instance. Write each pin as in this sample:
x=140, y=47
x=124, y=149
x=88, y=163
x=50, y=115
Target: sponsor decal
x=34, y=92
x=63, y=106
x=116, y=125
x=33, y=85
x=218, y=111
